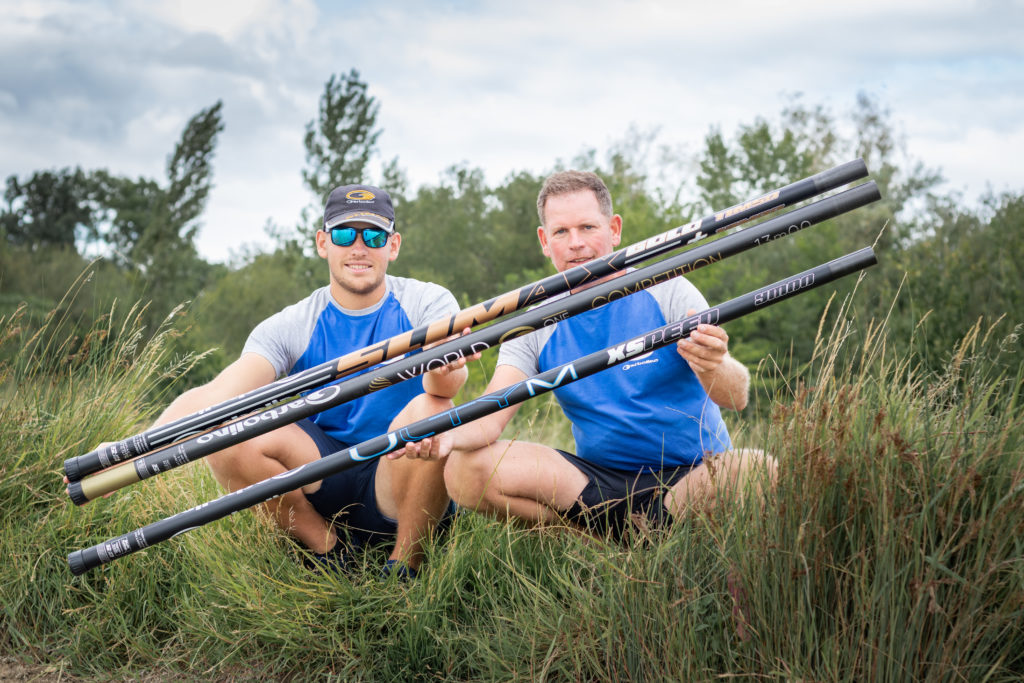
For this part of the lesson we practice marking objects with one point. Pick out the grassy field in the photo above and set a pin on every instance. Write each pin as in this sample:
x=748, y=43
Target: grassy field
x=892, y=550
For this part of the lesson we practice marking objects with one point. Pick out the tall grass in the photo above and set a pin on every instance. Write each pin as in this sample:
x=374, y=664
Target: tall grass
x=891, y=549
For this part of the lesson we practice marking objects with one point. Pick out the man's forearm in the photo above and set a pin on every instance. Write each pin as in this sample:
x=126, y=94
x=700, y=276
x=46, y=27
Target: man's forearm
x=728, y=385
x=446, y=385
x=480, y=433
x=188, y=403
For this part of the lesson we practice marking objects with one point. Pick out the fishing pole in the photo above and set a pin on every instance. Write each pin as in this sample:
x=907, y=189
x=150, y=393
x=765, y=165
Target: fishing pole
x=81, y=561
x=156, y=437
x=416, y=365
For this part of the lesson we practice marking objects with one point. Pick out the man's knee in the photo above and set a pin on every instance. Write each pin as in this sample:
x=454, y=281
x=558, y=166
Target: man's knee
x=262, y=457
x=233, y=463
x=728, y=474
x=756, y=468
x=465, y=478
x=421, y=407
x=408, y=481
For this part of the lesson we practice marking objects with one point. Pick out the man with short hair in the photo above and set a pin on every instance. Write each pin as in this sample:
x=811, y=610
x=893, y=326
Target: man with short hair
x=649, y=434
x=392, y=501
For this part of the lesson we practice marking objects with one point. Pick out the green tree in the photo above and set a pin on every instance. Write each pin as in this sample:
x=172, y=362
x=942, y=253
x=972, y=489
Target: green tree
x=343, y=138
x=258, y=284
x=639, y=177
x=444, y=234
x=514, y=256
x=339, y=144
x=395, y=180
x=766, y=155
x=476, y=241
x=965, y=266
x=236, y=302
x=150, y=224
x=152, y=228
x=50, y=208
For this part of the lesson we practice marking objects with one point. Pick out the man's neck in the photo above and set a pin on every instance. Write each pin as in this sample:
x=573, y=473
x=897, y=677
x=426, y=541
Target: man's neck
x=355, y=301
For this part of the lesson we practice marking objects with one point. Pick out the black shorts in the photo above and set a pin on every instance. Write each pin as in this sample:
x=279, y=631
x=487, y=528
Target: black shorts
x=348, y=499
x=612, y=496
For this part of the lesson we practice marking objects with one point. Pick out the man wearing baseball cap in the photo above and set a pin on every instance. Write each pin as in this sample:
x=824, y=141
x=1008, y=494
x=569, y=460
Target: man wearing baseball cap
x=391, y=502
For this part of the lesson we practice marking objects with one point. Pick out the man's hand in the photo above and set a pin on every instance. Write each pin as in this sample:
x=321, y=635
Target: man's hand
x=446, y=370
x=431, y=448
x=725, y=379
x=706, y=347
x=446, y=380
x=443, y=381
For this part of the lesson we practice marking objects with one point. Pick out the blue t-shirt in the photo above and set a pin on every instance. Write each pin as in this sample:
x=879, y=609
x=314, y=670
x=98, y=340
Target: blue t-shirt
x=317, y=329
x=642, y=415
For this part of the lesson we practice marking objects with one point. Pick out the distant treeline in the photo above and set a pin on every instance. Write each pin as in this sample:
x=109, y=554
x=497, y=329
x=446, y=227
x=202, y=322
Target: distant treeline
x=943, y=266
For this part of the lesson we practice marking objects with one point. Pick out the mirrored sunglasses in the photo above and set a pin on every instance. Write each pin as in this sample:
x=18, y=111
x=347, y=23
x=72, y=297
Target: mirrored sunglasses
x=344, y=236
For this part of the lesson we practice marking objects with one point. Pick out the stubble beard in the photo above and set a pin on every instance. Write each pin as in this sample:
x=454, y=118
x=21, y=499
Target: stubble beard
x=359, y=287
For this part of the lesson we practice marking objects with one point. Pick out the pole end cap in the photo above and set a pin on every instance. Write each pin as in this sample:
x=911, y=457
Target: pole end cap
x=76, y=561
x=77, y=494
x=72, y=469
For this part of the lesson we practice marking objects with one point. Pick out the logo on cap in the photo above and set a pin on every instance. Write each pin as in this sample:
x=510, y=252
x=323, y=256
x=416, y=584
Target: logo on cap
x=360, y=196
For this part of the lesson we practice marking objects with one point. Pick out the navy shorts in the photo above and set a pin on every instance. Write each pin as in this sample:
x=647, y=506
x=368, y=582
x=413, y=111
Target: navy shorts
x=348, y=499
x=612, y=496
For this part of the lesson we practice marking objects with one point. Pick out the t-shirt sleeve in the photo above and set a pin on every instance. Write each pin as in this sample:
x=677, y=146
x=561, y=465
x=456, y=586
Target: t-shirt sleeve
x=676, y=297
x=423, y=302
x=437, y=302
x=283, y=337
x=522, y=353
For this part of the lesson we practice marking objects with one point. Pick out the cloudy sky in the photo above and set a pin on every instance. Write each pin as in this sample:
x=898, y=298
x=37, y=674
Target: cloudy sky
x=503, y=85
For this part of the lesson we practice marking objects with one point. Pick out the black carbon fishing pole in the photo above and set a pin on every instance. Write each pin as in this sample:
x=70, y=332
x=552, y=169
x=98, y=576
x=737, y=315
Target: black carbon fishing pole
x=126, y=449
x=82, y=561
x=417, y=364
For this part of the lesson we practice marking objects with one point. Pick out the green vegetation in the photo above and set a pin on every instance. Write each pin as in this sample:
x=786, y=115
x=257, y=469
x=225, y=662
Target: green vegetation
x=891, y=550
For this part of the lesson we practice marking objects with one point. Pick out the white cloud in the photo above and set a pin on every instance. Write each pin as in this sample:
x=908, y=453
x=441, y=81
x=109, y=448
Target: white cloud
x=231, y=20
x=978, y=159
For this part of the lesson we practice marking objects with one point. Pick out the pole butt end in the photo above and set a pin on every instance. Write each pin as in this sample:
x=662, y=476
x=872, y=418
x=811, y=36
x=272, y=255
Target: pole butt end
x=77, y=494
x=72, y=469
x=76, y=561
